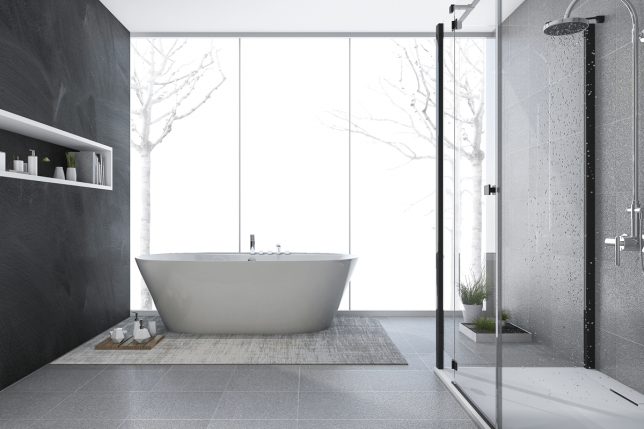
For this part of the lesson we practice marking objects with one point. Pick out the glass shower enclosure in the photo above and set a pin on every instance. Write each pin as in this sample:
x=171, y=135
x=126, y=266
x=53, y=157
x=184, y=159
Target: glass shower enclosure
x=540, y=351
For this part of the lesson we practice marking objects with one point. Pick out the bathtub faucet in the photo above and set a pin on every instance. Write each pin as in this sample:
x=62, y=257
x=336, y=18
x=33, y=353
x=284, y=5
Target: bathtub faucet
x=279, y=249
x=252, y=244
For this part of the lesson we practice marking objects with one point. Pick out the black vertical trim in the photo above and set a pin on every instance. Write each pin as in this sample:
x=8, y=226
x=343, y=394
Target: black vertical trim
x=440, y=328
x=589, y=200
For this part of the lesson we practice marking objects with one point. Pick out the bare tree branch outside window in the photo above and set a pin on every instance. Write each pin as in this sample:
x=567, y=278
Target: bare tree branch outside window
x=412, y=134
x=163, y=89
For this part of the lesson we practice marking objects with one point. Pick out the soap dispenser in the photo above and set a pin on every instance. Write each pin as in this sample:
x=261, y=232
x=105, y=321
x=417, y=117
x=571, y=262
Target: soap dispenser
x=142, y=335
x=136, y=324
x=32, y=163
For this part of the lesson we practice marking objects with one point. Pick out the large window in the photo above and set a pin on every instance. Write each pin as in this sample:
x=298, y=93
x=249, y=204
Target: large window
x=321, y=145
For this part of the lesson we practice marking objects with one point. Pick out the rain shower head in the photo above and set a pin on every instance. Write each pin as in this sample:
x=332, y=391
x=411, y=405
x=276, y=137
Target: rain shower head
x=565, y=26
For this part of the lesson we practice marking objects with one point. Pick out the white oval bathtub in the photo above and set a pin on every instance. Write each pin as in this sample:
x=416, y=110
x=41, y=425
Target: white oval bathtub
x=225, y=293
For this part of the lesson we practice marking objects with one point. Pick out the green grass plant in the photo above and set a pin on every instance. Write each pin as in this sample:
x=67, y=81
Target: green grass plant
x=475, y=288
x=71, y=161
x=484, y=324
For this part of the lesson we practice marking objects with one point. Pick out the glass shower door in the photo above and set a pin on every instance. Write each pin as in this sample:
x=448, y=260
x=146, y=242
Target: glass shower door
x=469, y=164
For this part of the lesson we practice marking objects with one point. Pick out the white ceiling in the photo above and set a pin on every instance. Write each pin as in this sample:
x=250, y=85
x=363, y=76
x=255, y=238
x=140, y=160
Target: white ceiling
x=311, y=16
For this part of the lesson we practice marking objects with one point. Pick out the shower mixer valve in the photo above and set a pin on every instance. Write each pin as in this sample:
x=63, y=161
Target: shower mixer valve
x=624, y=242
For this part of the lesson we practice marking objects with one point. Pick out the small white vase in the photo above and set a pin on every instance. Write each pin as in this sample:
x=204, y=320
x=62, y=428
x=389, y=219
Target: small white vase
x=152, y=327
x=71, y=174
x=117, y=335
x=471, y=312
x=59, y=173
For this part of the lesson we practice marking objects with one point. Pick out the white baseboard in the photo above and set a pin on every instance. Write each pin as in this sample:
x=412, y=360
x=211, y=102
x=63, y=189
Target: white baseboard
x=370, y=313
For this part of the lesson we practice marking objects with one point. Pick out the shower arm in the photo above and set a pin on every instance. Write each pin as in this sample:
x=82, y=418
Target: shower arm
x=567, y=14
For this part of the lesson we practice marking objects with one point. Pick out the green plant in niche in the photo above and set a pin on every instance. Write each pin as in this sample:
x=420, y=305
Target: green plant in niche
x=45, y=159
x=484, y=324
x=505, y=314
x=70, y=159
x=475, y=288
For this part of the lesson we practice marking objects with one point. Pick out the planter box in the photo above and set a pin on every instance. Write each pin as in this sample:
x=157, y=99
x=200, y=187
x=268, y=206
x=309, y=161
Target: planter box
x=514, y=334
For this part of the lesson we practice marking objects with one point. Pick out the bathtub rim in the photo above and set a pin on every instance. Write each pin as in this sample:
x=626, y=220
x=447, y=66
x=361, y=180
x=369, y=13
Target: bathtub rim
x=243, y=257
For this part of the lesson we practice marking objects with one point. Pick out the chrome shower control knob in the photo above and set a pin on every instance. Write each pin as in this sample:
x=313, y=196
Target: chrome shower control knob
x=270, y=252
x=288, y=253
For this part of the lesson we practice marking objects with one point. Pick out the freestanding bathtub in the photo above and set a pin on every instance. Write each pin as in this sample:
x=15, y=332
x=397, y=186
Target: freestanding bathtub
x=239, y=293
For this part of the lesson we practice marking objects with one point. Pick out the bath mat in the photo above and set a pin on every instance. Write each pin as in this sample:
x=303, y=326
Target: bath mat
x=349, y=341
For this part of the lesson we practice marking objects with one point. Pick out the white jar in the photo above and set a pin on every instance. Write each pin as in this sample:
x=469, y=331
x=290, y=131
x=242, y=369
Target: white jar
x=59, y=173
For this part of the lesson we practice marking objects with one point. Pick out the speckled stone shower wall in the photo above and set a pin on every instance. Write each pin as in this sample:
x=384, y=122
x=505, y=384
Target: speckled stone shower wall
x=64, y=252
x=543, y=185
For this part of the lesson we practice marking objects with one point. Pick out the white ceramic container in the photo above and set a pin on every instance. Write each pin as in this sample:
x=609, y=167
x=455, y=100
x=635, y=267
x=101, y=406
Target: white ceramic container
x=117, y=335
x=152, y=327
x=71, y=174
x=59, y=173
x=471, y=312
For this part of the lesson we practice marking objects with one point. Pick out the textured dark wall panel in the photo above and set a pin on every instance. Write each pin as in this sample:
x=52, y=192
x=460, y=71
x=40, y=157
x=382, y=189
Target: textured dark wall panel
x=64, y=254
x=543, y=177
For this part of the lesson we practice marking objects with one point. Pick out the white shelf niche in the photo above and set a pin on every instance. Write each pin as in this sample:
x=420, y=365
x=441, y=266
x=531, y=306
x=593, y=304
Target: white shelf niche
x=27, y=127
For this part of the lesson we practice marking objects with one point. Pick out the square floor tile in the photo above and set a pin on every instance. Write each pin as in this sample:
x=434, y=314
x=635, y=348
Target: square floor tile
x=342, y=424
x=257, y=405
x=16, y=424
x=334, y=367
x=141, y=367
x=265, y=378
x=124, y=381
x=65, y=367
x=253, y=424
x=196, y=380
x=337, y=405
x=54, y=380
x=165, y=424
x=94, y=405
x=404, y=381
x=28, y=405
x=430, y=424
x=334, y=381
x=77, y=424
x=175, y=405
x=418, y=406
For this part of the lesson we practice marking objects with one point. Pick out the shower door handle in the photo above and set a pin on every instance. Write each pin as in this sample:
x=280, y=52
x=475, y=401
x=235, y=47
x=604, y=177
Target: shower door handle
x=617, y=242
x=490, y=190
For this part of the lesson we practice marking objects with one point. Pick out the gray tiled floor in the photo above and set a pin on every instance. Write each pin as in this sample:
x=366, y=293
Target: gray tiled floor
x=243, y=396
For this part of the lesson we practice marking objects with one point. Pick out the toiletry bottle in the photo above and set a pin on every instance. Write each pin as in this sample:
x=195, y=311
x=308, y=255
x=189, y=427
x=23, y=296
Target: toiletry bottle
x=3, y=161
x=136, y=324
x=32, y=162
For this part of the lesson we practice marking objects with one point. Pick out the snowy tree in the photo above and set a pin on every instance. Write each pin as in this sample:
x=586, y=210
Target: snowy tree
x=163, y=89
x=412, y=133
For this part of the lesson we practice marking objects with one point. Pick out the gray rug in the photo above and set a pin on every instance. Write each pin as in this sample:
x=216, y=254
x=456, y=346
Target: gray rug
x=349, y=341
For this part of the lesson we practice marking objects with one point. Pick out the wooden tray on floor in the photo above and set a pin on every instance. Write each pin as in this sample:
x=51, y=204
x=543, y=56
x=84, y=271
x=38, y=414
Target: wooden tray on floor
x=108, y=344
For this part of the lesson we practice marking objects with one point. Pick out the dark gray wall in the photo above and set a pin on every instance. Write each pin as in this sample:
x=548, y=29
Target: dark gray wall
x=543, y=185
x=64, y=253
